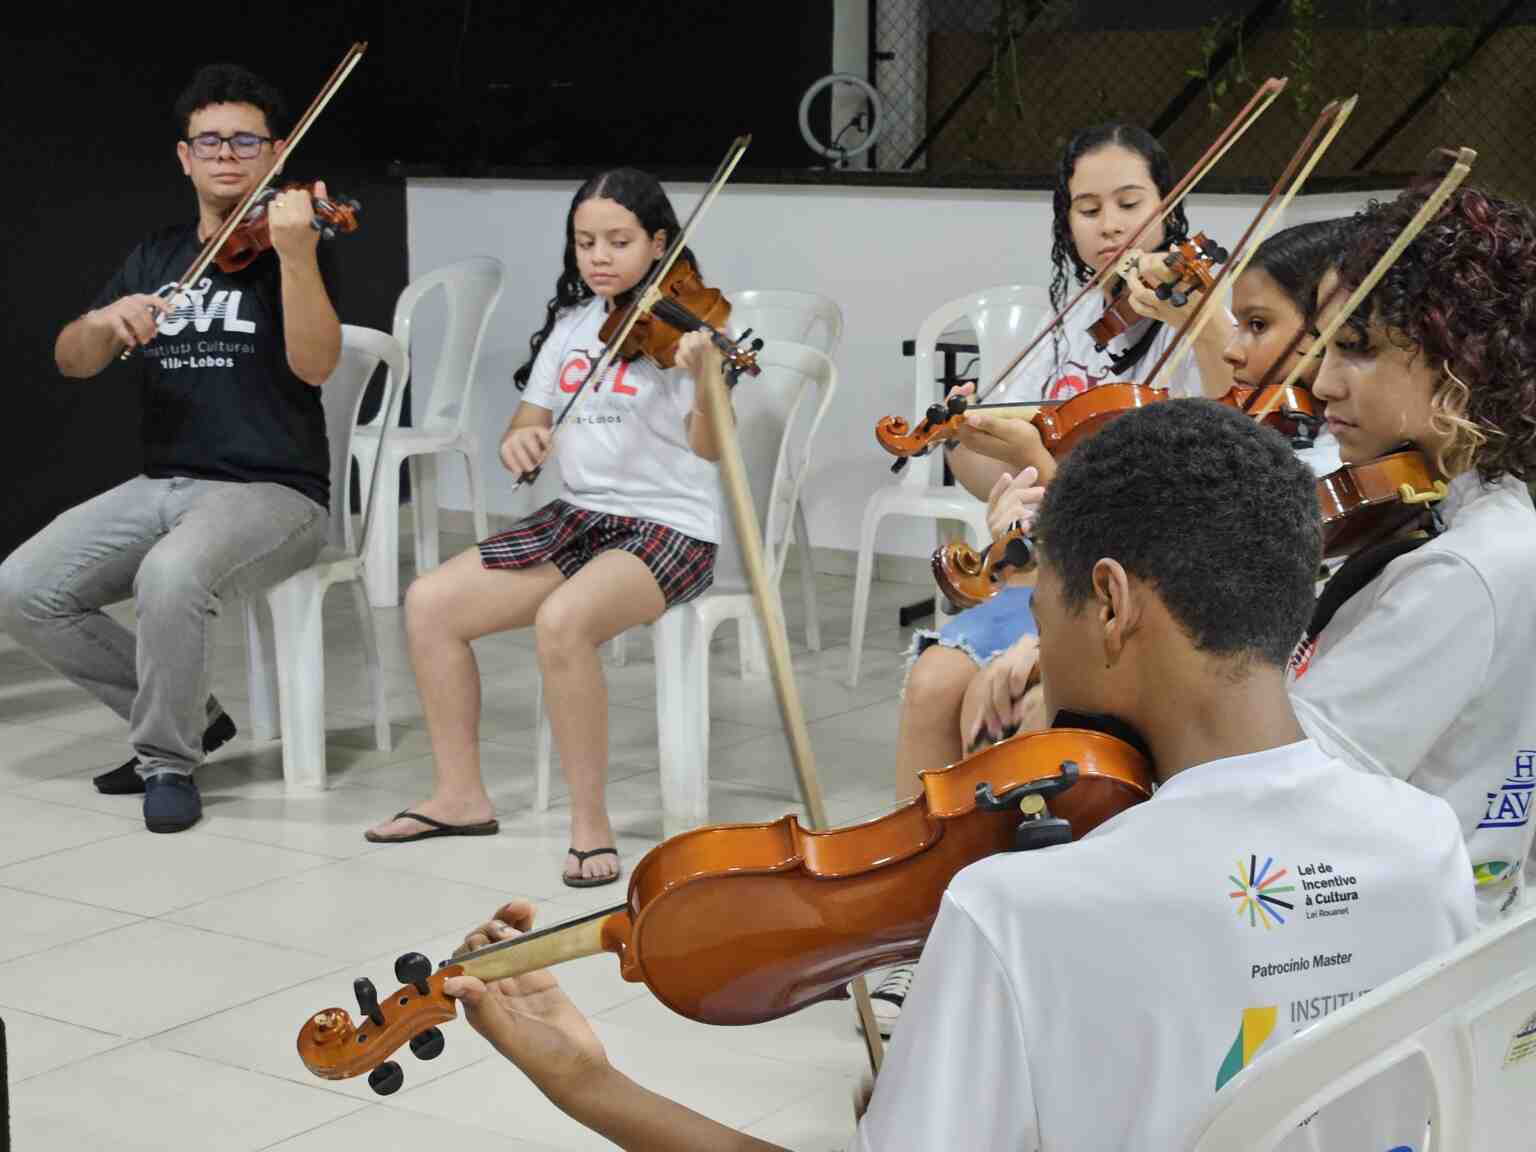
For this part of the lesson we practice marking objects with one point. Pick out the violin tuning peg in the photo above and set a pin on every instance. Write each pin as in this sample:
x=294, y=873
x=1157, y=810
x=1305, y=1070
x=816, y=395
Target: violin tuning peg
x=386, y=1079
x=413, y=968
x=1177, y=299
x=368, y=1000
x=757, y=345
x=428, y=1045
x=1163, y=291
x=351, y=203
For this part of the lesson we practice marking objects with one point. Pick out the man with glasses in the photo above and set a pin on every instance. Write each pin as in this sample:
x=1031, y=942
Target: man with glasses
x=236, y=467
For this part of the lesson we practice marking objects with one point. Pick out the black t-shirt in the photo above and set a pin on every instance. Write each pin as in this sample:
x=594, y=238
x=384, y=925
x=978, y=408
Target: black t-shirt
x=220, y=402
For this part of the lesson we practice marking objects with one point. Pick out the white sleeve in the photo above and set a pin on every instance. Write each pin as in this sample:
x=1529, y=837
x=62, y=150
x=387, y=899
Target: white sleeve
x=955, y=1075
x=543, y=378
x=1028, y=381
x=1393, y=685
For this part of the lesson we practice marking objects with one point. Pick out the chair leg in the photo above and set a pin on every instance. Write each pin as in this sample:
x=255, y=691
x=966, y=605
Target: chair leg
x=296, y=626
x=381, y=567
x=684, y=763
x=424, y=501
x=477, y=495
x=261, y=669
x=544, y=755
x=364, y=451
x=754, y=647
x=382, y=737
x=808, y=582
x=861, y=579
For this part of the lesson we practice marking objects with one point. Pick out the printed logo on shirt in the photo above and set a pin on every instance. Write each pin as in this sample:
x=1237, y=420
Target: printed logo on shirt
x=1314, y=1008
x=580, y=362
x=1329, y=892
x=1259, y=897
x=1256, y=1026
x=1492, y=873
x=1302, y=657
x=1066, y=387
x=195, y=308
x=1300, y=964
x=1510, y=806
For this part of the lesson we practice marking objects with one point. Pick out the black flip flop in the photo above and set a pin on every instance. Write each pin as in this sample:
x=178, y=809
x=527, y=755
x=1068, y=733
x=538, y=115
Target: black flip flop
x=435, y=828
x=580, y=881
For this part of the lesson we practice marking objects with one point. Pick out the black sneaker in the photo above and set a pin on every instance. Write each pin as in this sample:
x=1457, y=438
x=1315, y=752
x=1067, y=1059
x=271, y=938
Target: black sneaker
x=126, y=781
x=888, y=997
x=171, y=802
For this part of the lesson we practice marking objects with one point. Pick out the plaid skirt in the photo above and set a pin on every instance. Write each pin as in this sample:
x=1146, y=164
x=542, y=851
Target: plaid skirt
x=570, y=537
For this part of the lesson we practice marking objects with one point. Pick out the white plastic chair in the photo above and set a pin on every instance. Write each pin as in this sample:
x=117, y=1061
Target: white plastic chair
x=793, y=393
x=781, y=315
x=1003, y=319
x=472, y=288
x=284, y=634
x=1460, y=1016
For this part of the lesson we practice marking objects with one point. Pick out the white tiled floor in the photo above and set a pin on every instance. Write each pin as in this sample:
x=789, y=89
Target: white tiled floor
x=152, y=986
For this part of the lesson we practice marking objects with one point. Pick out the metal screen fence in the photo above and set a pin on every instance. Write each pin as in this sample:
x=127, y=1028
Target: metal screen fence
x=996, y=87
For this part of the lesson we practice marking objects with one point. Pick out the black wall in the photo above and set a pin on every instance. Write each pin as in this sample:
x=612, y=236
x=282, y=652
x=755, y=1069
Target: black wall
x=89, y=153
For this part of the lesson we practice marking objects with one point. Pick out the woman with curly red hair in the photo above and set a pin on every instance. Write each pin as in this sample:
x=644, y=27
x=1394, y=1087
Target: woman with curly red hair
x=1425, y=670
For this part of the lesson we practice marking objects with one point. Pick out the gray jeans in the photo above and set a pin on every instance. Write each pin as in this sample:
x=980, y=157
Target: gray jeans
x=181, y=548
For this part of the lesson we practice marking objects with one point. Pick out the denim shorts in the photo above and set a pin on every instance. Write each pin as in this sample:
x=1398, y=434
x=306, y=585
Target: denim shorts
x=983, y=631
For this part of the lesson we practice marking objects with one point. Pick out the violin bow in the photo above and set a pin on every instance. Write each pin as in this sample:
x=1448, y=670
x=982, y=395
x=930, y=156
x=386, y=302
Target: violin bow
x=770, y=610
x=1246, y=117
x=1328, y=124
x=1464, y=159
x=236, y=218
x=649, y=293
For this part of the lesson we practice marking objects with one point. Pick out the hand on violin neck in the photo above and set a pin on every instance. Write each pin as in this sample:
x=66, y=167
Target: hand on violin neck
x=291, y=222
x=530, y=1020
x=697, y=355
x=1013, y=503
x=1012, y=442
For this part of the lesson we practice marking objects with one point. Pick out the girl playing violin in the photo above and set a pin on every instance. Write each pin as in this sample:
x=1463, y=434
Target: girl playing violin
x=1109, y=179
x=1425, y=671
x=633, y=532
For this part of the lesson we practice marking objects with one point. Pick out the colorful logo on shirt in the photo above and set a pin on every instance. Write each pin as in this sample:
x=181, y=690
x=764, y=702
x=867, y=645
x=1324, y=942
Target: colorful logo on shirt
x=1257, y=1024
x=1510, y=806
x=580, y=362
x=1302, y=657
x=1258, y=892
x=1066, y=387
x=1492, y=872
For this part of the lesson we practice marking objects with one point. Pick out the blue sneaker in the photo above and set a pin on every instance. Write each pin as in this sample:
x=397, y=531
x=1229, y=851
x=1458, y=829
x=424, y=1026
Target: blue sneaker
x=171, y=803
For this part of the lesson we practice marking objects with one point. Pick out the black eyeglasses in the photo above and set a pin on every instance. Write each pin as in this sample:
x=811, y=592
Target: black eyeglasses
x=245, y=145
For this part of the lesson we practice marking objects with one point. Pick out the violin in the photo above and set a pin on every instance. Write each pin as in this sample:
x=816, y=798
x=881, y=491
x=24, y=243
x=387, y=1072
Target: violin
x=253, y=235
x=1290, y=409
x=1364, y=503
x=1061, y=424
x=739, y=924
x=1191, y=261
x=684, y=305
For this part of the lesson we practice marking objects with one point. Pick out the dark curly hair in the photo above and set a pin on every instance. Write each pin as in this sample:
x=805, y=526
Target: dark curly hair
x=1211, y=508
x=230, y=84
x=1463, y=294
x=643, y=195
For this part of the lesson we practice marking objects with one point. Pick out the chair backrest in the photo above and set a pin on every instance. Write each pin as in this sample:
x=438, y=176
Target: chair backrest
x=472, y=288
x=781, y=314
x=1467, y=1018
x=362, y=350
x=777, y=416
x=1002, y=319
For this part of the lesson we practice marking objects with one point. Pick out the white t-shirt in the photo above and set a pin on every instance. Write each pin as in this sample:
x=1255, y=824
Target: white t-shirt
x=1095, y=996
x=1428, y=673
x=1081, y=367
x=624, y=447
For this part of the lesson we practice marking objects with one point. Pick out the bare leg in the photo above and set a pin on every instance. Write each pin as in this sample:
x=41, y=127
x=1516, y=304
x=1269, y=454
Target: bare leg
x=444, y=610
x=930, y=714
x=613, y=593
